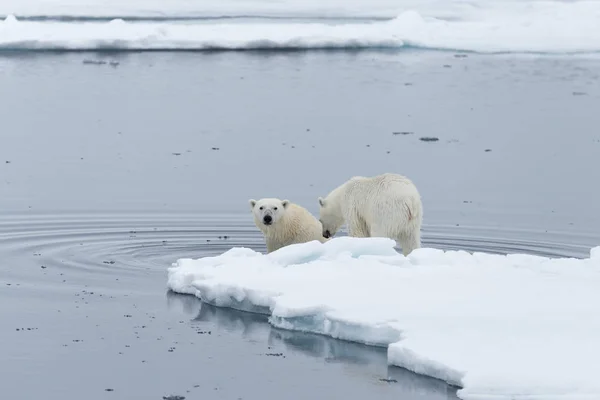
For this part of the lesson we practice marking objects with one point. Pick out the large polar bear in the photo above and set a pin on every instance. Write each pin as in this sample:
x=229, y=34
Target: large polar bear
x=284, y=223
x=387, y=205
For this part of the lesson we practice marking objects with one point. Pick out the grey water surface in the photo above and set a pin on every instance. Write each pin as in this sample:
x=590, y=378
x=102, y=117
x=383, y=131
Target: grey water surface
x=110, y=172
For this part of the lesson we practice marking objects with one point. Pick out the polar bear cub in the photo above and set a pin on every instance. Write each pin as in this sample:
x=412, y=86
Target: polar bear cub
x=283, y=223
x=387, y=205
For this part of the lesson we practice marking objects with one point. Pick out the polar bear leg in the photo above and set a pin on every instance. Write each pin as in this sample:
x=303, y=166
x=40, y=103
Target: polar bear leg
x=358, y=228
x=407, y=240
x=271, y=246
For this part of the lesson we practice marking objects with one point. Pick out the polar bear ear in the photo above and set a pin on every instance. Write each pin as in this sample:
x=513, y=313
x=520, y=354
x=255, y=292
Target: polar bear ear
x=285, y=203
x=321, y=202
x=252, y=203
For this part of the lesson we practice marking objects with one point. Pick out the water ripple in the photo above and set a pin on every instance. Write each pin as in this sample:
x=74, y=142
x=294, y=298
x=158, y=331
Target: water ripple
x=130, y=243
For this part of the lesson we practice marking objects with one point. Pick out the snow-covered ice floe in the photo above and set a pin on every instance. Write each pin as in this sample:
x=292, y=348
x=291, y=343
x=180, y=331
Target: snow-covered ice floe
x=491, y=26
x=500, y=327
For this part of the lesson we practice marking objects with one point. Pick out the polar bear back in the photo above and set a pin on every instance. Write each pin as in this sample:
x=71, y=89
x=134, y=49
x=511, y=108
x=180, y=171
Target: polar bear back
x=375, y=197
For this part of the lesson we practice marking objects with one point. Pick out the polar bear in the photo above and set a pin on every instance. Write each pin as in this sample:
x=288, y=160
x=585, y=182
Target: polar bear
x=284, y=223
x=387, y=205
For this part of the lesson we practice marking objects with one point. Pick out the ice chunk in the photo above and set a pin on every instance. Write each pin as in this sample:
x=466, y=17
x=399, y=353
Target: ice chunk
x=491, y=26
x=502, y=327
x=595, y=253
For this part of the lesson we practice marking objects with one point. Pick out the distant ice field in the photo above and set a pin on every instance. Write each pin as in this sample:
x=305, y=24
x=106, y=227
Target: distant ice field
x=486, y=26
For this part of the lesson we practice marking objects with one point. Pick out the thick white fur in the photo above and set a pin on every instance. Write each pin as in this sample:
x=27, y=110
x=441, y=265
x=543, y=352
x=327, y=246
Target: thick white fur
x=387, y=205
x=291, y=223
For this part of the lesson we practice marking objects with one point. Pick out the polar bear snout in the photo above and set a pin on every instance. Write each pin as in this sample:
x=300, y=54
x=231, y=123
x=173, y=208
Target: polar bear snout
x=267, y=220
x=326, y=234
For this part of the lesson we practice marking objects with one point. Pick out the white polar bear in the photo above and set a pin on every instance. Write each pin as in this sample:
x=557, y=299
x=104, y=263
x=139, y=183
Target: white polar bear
x=284, y=223
x=387, y=205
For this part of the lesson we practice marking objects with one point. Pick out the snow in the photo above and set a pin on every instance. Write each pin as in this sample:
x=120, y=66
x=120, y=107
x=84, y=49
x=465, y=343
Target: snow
x=487, y=26
x=499, y=326
x=204, y=8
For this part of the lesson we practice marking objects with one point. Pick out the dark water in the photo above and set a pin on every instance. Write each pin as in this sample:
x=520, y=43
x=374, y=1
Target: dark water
x=108, y=174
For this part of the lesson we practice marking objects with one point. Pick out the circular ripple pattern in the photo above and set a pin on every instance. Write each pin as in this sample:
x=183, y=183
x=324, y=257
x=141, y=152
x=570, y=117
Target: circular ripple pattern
x=509, y=241
x=136, y=242
x=152, y=242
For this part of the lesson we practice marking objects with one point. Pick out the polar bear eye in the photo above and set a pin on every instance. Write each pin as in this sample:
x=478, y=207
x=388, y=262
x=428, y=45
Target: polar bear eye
x=261, y=207
x=275, y=208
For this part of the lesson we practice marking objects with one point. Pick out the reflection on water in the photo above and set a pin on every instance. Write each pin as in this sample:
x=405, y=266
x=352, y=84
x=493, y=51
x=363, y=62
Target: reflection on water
x=364, y=360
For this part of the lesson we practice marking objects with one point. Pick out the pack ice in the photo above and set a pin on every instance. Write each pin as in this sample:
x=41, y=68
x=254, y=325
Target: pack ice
x=498, y=326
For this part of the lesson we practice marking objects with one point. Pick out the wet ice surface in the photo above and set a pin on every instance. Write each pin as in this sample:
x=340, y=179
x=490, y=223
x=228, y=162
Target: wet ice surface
x=110, y=173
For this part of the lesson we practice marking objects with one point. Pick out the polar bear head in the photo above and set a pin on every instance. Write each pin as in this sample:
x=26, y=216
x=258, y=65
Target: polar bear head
x=268, y=211
x=330, y=216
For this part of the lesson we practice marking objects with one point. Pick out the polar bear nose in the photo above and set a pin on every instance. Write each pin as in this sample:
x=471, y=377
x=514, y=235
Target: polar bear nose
x=267, y=219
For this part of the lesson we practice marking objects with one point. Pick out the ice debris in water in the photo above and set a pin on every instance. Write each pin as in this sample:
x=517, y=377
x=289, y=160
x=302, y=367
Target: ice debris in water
x=508, y=327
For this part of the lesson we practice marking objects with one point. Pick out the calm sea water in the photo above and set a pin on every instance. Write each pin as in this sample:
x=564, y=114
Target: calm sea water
x=109, y=173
